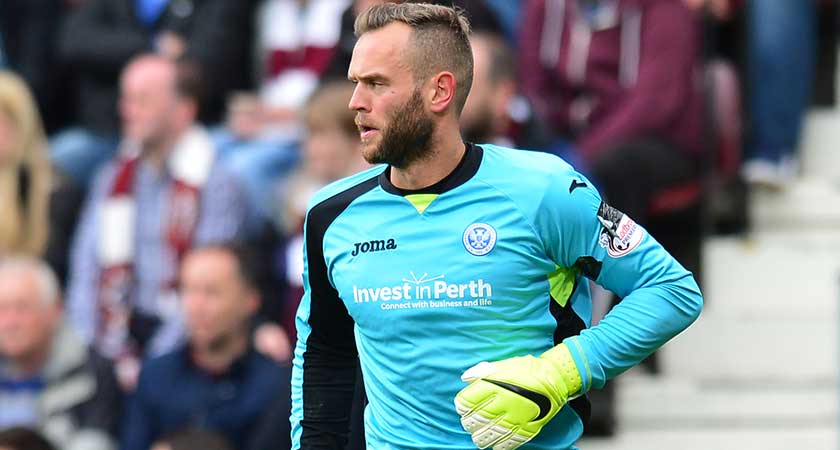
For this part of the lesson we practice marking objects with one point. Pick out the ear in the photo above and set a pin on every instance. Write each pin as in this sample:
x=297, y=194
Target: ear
x=188, y=109
x=253, y=301
x=443, y=91
x=503, y=93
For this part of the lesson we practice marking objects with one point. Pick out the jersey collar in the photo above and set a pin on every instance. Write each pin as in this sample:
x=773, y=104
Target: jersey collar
x=463, y=172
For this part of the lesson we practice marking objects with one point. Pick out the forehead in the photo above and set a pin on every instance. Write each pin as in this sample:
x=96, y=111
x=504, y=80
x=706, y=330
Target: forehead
x=381, y=51
x=209, y=263
x=18, y=285
x=148, y=73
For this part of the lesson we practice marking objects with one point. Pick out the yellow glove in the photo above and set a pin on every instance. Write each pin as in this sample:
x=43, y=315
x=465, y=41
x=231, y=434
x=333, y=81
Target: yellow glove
x=508, y=402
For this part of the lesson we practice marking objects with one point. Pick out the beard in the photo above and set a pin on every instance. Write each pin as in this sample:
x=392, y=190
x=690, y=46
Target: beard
x=408, y=137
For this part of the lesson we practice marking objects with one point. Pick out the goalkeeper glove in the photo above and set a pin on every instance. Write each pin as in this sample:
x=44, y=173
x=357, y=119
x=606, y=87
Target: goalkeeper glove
x=508, y=402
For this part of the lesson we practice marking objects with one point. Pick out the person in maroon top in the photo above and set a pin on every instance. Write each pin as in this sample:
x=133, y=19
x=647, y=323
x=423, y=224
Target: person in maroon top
x=618, y=79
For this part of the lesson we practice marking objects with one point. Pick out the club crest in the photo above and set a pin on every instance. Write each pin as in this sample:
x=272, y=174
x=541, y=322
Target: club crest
x=479, y=239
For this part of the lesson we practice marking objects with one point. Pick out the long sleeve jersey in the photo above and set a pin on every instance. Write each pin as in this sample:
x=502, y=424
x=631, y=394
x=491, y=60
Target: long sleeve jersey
x=488, y=264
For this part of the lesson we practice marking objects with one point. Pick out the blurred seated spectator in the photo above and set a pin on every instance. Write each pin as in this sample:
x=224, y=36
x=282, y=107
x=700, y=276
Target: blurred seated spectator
x=192, y=440
x=101, y=36
x=217, y=381
x=330, y=151
x=495, y=112
x=21, y=438
x=618, y=78
x=295, y=43
x=163, y=193
x=39, y=205
x=49, y=378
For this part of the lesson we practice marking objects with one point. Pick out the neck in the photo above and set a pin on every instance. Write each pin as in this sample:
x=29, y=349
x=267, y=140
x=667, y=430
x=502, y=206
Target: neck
x=32, y=363
x=157, y=153
x=217, y=356
x=447, y=151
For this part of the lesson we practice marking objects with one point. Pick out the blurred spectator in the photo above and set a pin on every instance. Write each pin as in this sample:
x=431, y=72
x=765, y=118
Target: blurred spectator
x=164, y=193
x=39, y=205
x=295, y=42
x=49, y=378
x=20, y=438
x=495, y=112
x=781, y=59
x=331, y=151
x=101, y=36
x=217, y=381
x=618, y=78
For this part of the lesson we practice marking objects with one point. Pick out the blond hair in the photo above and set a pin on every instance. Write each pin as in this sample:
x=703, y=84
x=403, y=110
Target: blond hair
x=23, y=222
x=439, y=40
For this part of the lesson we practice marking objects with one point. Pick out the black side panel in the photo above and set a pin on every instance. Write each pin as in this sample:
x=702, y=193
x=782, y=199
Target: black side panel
x=330, y=362
x=570, y=324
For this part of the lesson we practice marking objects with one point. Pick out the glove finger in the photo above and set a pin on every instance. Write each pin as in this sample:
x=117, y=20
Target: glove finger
x=491, y=434
x=511, y=442
x=477, y=371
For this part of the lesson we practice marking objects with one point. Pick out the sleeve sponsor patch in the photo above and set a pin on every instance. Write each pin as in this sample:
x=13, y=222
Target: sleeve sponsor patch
x=619, y=235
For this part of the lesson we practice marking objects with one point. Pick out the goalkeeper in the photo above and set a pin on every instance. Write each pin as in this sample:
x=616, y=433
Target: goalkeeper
x=456, y=274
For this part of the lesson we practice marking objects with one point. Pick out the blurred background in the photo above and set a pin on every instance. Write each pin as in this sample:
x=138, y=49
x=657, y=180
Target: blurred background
x=157, y=157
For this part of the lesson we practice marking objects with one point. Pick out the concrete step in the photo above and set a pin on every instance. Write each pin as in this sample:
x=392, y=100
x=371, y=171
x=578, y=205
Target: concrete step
x=818, y=149
x=811, y=202
x=780, y=274
x=818, y=438
x=755, y=349
x=669, y=402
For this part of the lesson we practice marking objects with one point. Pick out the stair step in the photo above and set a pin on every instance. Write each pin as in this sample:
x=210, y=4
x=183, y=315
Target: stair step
x=808, y=203
x=664, y=403
x=820, y=438
x=755, y=349
x=818, y=148
x=782, y=274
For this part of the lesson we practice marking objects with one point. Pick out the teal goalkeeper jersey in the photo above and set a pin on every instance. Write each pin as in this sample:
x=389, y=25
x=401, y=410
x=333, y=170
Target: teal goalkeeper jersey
x=488, y=264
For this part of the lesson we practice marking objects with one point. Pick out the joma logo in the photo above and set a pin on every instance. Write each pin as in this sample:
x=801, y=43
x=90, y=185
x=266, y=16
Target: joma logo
x=374, y=246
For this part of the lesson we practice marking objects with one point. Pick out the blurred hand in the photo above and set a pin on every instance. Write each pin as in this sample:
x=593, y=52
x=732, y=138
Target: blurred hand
x=170, y=45
x=721, y=9
x=271, y=340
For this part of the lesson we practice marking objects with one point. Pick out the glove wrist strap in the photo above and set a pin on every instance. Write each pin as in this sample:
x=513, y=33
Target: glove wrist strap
x=562, y=360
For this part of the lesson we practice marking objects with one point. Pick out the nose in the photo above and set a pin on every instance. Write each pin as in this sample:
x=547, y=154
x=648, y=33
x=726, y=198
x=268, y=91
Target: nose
x=358, y=102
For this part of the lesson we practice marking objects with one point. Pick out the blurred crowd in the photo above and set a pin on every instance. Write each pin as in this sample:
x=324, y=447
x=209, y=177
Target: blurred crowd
x=157, y=158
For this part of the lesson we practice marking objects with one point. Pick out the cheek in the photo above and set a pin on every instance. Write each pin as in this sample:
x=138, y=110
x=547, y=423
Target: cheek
x=8, y=136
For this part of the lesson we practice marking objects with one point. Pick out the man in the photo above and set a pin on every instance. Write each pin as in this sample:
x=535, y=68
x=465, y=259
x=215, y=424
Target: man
x=455, y=259
x=100, y=37
x=217, y=381
x=495, y=113
x=164, y=193
x=619, y=79
x=49, y=378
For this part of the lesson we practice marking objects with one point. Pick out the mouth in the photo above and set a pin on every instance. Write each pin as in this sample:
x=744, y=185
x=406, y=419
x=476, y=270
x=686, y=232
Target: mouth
x=365, y=131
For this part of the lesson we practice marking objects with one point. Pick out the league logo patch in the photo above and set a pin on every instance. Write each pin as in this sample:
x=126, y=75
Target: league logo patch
x=620, y=235
x=479, y=239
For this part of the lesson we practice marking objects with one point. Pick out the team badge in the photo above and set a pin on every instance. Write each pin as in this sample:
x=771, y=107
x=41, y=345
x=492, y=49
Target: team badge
x=620, y=235
x=479, y=239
